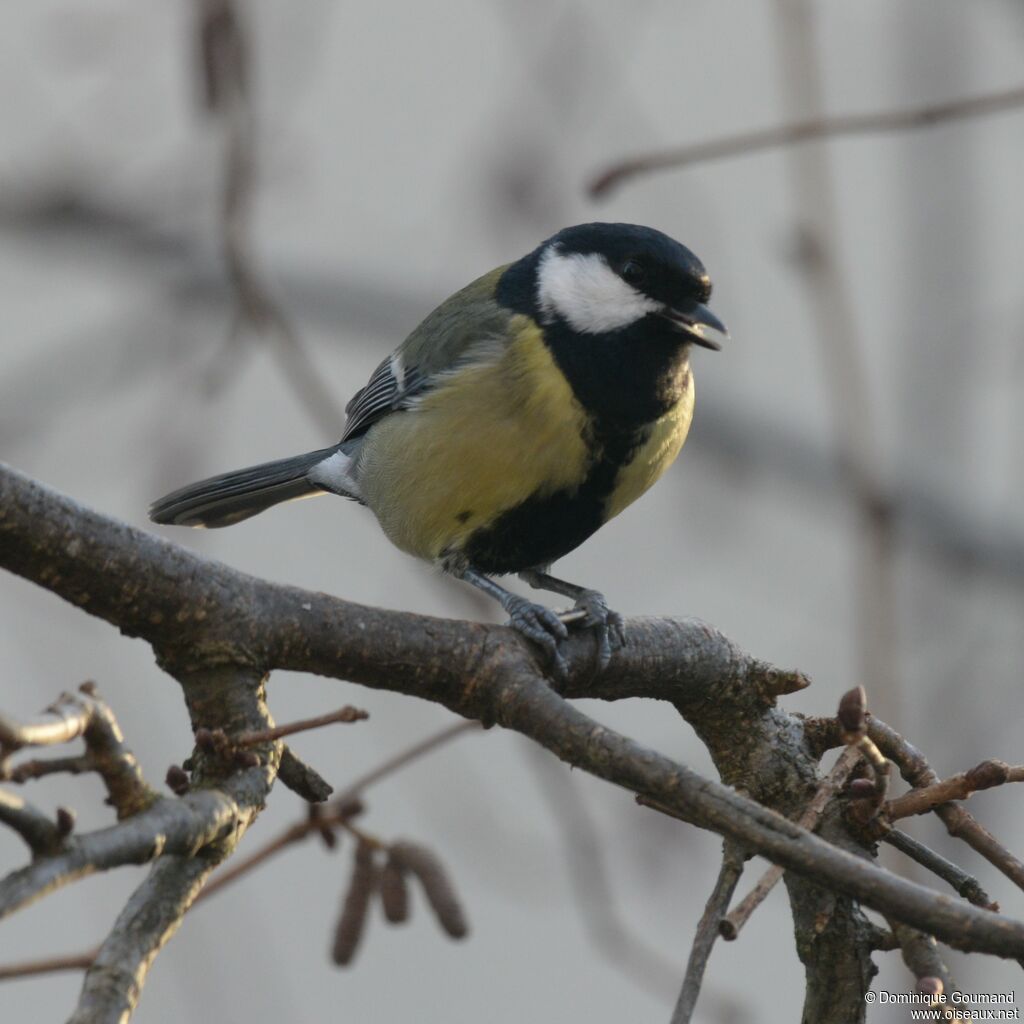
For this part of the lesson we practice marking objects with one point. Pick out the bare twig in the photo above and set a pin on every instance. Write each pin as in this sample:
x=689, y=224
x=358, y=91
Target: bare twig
x=40, y=833
x=82, y=714
x=731, y=923
x=287, y=837
x=965, y=885
x=345, y=714
x=41, y=767
x=708, y=931
x=809, y=130
x=959, y=787
x=62, y=722
x=958, y=820
x=404, y=757
x=301, y=778
x=47, y=965
x=922, y=956
x=167, y=827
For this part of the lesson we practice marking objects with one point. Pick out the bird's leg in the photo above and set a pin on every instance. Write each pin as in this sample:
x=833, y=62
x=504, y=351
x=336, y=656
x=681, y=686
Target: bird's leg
x=591, y=610
x=534, y=621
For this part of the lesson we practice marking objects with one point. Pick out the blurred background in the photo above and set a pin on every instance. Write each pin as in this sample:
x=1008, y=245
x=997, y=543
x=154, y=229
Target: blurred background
x=213, y=228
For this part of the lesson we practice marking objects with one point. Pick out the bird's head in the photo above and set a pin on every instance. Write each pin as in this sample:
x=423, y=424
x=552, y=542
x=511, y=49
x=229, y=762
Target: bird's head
x=603, y=278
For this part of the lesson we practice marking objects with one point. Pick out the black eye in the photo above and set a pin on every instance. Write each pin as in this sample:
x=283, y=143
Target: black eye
x=633, y=271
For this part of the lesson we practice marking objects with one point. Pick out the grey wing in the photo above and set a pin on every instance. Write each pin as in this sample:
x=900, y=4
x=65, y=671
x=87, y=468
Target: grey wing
x=459, y=330
x=388, y=388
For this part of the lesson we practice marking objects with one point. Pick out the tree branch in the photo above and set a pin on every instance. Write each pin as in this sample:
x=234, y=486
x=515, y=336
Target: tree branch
x=170, y=826
x=114, y=979
x=812, y=129
x=958, y=821
x=40, y=833
x=964, y=884
x=959, y=787
x=195, y=613
x=708, y=931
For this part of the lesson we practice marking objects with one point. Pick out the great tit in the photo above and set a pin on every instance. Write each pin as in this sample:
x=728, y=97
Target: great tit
x=522, y=414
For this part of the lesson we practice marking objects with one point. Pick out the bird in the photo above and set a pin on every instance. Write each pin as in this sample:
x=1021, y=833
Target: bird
x=523, y=413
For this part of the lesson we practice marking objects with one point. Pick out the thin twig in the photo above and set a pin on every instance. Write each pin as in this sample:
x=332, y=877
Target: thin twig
x=287, y=837
x=40, y=832
x=811, y=129
x=922, y=956
x=80, y=714
x=708, y=931
x=38, y=768
x=958, y=820
x=965, y=885
x=345, y=714
x=48, y=965
x=959, y=787
x=731, y=923
x=404, y=757
x=62, y=722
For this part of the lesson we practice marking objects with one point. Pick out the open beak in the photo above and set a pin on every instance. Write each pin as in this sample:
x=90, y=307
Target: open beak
x=695, y=320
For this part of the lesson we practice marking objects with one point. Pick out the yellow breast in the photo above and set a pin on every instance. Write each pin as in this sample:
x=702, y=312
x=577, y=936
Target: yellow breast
x=476, y=446
x=656, y=454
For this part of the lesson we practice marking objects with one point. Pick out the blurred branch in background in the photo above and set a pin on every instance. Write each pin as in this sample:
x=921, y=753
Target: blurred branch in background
x=225, y=64
x=811, y=130
x=845, y=371
x=591, y=882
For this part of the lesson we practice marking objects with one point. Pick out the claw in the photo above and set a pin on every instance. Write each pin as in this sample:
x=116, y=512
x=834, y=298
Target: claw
x=611, y=630
x=543, y=627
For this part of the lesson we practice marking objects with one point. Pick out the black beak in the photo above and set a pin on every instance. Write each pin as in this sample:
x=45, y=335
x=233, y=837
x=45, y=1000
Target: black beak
x=692, y=320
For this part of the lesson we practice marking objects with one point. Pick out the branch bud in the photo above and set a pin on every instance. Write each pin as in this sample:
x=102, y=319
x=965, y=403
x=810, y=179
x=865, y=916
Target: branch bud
x=852, y=708
x=65, y=821
x=177, y=780
x=987, y=774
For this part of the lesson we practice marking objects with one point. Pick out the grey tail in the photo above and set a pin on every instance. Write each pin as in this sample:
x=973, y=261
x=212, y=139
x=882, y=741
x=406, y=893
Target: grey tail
x=230, y=498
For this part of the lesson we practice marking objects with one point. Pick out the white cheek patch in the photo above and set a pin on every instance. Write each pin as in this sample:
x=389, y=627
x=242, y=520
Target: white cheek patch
x=584, y=291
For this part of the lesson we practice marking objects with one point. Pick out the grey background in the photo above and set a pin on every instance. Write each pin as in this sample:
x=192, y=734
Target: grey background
x=404, y=148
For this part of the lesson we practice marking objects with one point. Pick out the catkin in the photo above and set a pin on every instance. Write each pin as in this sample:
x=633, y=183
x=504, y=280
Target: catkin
x=394, y=892
x=437, y=886
x=352, y=921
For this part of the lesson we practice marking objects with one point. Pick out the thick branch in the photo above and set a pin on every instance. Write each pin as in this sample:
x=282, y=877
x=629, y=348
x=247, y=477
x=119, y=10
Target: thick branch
x=154, y=589
x=113, y=981
x=170, y=826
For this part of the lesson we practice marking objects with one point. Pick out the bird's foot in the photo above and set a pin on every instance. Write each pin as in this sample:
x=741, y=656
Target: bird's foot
x=591, y=611
x=542, y=626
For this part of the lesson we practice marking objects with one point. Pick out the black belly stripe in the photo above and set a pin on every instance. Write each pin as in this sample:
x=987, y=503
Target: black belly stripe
x=542, y=529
